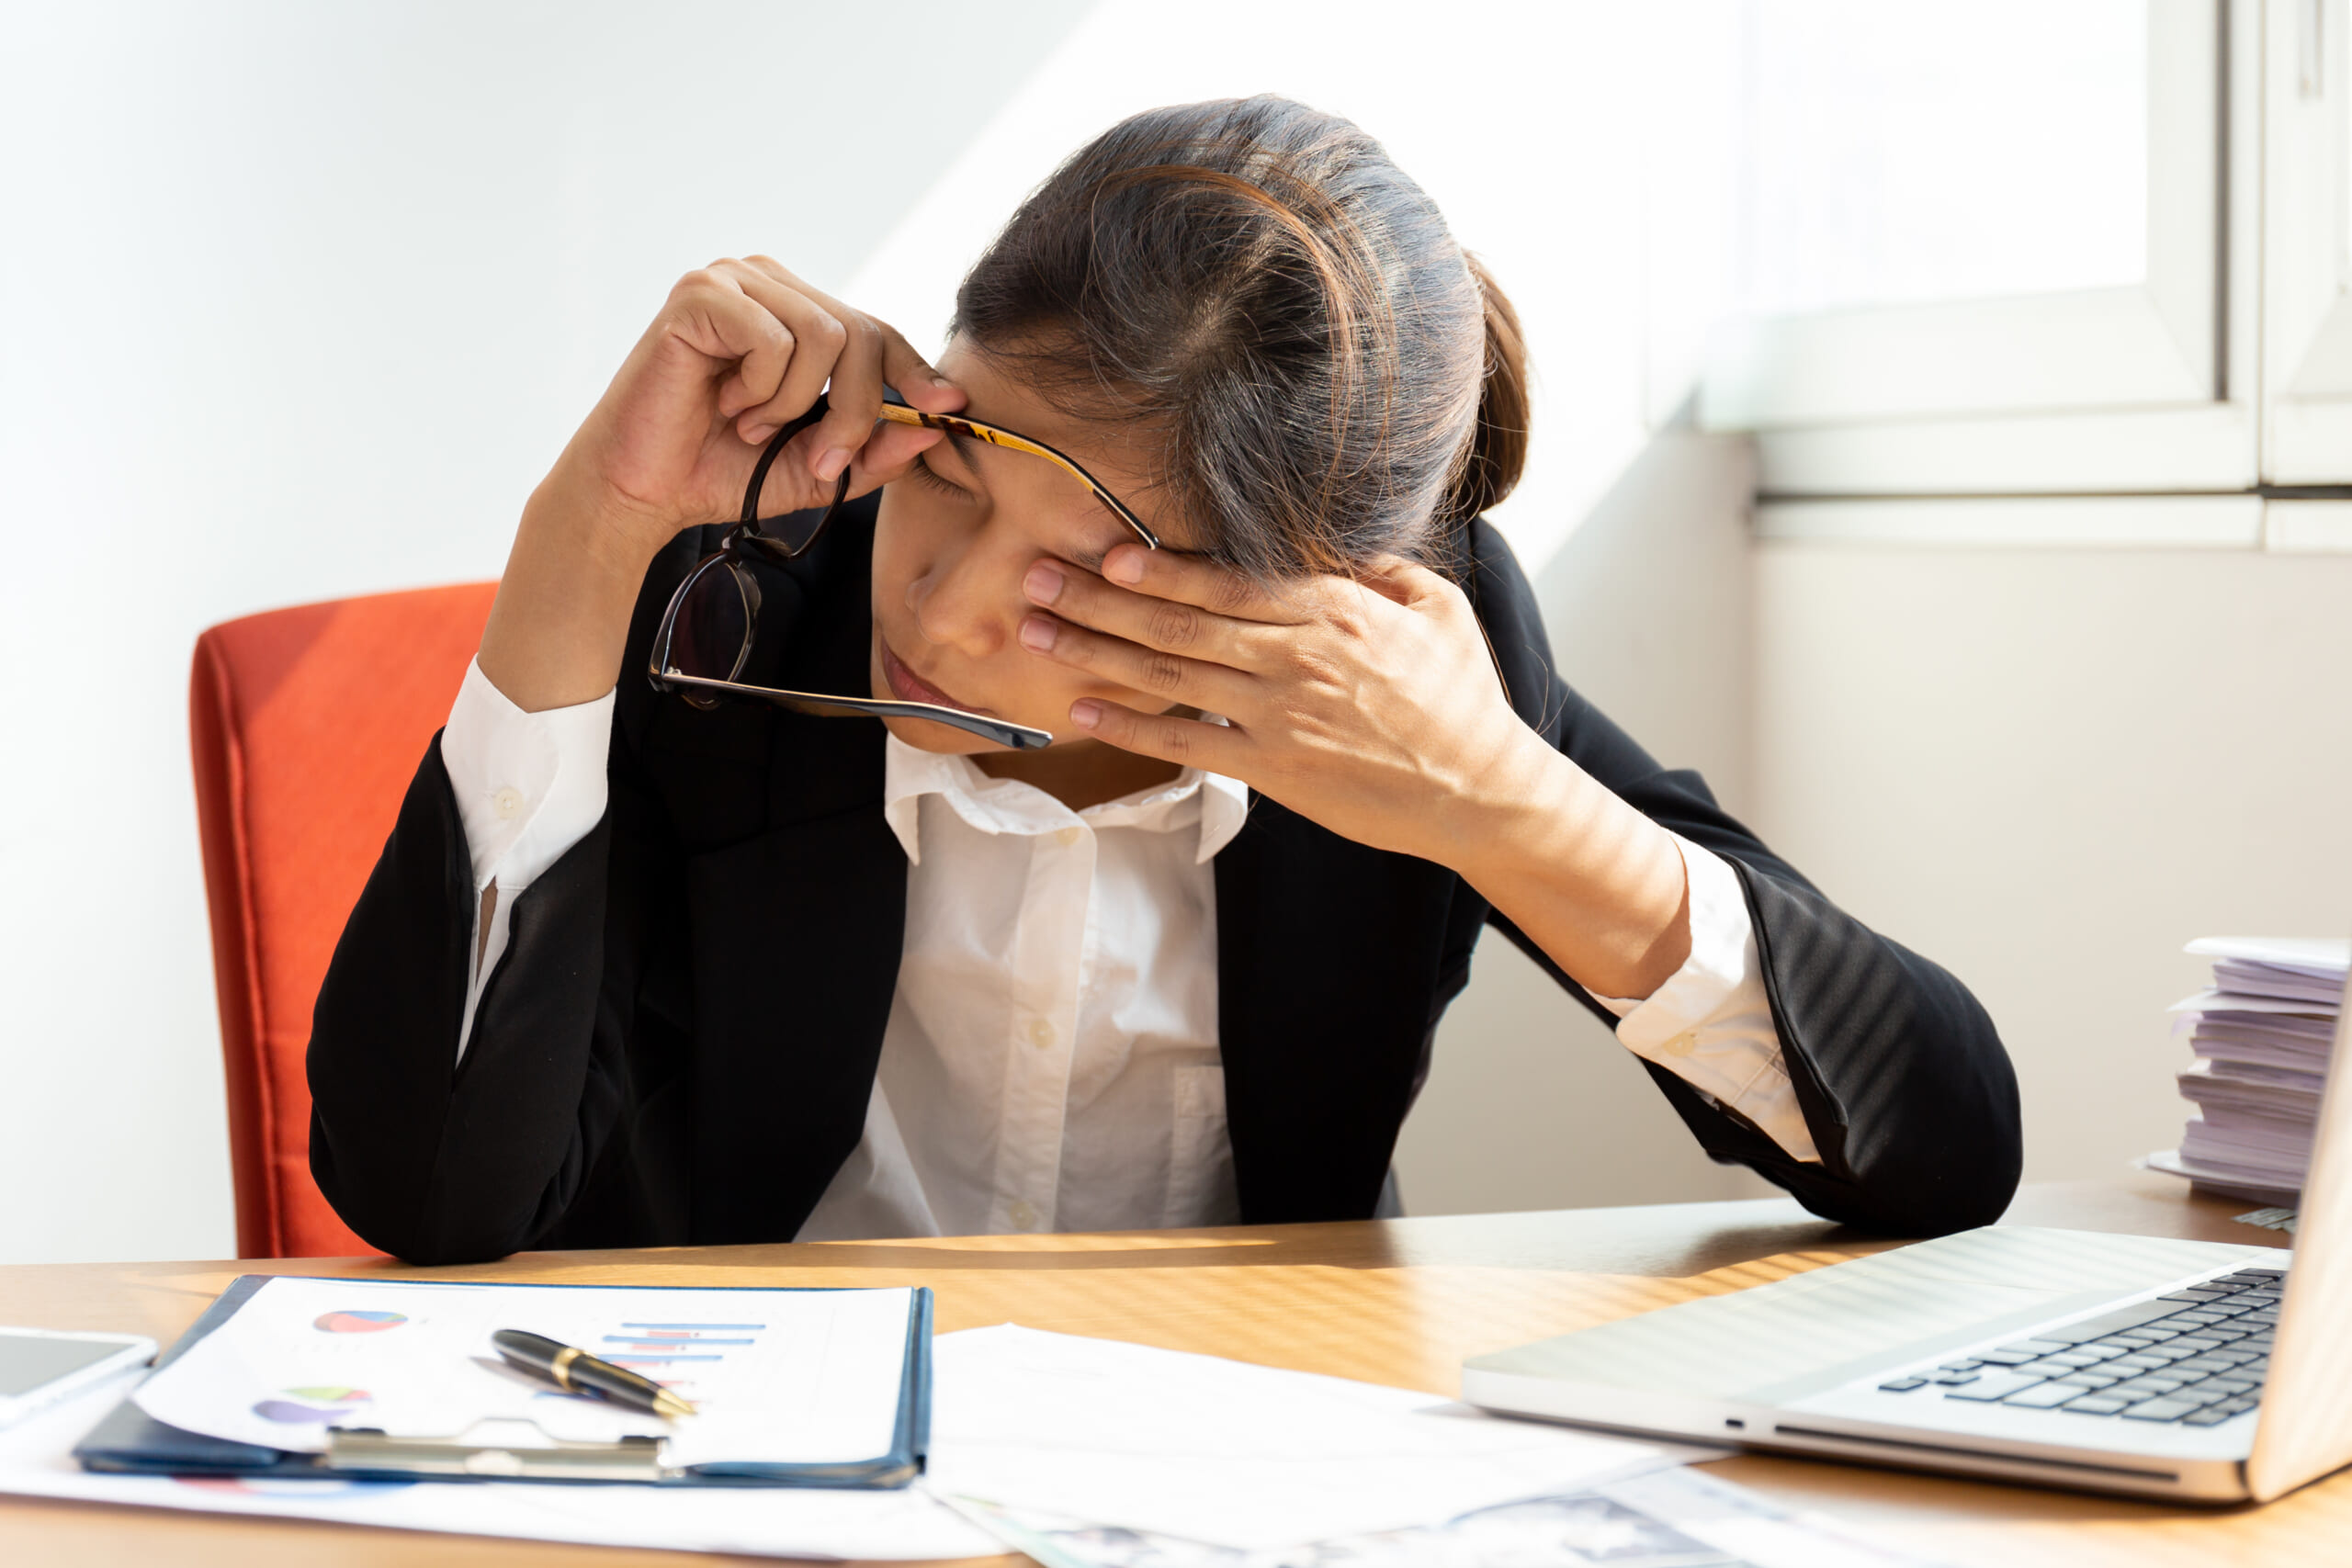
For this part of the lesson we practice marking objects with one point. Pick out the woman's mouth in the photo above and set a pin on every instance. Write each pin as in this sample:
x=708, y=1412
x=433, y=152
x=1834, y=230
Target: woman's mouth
x=913, y=688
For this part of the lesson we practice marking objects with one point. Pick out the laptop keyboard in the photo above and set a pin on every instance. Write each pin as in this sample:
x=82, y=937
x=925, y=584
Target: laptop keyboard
x=2196, y=1357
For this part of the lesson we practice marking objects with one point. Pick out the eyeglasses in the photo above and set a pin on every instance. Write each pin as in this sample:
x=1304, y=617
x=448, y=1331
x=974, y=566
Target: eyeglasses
x=706, y=634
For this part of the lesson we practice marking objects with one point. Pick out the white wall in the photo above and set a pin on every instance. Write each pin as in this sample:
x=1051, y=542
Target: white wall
x=1530, y=1102
x=2048, y=770
x=302, y=298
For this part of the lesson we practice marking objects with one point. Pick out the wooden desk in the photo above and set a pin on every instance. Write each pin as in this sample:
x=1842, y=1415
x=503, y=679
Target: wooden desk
x=1400, y=1302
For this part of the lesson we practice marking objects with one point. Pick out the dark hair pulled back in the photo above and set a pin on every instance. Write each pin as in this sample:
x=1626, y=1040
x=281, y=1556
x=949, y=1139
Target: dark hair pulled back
x=1327, y=375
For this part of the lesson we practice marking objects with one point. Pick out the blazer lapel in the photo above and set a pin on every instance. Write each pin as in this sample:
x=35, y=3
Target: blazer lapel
x=797, y=937
x=796, y=930
x=1327, y=954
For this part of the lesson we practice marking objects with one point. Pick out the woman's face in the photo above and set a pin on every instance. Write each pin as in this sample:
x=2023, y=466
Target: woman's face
x=955, y=539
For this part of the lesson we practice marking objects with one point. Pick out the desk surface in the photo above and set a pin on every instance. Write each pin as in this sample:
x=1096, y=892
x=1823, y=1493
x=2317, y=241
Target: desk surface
x=1399, y=1302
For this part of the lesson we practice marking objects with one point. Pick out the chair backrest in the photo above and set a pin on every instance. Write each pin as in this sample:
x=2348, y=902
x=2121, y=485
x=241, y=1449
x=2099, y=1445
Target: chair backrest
x=307, y=725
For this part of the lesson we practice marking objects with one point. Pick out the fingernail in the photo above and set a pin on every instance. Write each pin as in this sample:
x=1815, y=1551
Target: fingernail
x=1124, y=564
x=1086, y=715
x=758, y=434
x=829, y=465
x=1043, y=584
x=1038, y=633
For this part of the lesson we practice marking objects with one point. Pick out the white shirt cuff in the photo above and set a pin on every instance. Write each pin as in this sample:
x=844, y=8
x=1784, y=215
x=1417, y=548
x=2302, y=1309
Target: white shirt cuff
x=1710, y=1023
x=529, y=785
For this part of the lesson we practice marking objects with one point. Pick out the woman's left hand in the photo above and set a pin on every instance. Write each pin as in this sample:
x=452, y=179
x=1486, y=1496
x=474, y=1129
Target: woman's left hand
x=1371, y=707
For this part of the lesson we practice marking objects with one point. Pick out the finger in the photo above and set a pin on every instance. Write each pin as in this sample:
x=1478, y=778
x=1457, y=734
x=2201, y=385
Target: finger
x=717, y=320
x=1169, y=625
x=888, y=456
x=1409, y=582
x=1199, y=582
x=788, y=487
x=1162, y=677
x=915, y=378
x=1188, y=742
x=854, y=398
x=894, y=361
x=818, y=339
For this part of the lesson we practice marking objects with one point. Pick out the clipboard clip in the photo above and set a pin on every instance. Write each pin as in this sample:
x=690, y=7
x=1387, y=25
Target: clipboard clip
x=369, y=1451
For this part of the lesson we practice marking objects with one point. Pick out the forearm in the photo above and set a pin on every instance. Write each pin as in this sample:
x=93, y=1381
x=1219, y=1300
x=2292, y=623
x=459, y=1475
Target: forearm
x=426, y=1162
x=561, y=618
x=1594, y=883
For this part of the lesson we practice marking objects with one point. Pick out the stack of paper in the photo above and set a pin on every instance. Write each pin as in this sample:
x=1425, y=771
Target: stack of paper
x=2261, y=1038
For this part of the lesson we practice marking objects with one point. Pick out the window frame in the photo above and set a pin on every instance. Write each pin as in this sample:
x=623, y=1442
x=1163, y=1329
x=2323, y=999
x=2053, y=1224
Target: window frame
x=2142, y=389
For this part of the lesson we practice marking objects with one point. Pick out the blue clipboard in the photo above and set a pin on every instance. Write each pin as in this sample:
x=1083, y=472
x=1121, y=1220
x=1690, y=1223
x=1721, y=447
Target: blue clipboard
x=131, y=1441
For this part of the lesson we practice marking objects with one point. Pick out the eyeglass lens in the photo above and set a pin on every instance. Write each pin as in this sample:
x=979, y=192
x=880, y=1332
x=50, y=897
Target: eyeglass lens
x=710, y=629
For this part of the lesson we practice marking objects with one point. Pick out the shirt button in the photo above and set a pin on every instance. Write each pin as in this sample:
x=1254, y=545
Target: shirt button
x=1067, y=837
x=1041, y=1033
x=1681, y=1045
x=1024, y=1216
x=509, y=801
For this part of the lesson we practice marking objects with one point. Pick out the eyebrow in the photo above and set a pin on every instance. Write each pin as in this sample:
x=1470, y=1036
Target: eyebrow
x=964, y=446
x=967, y=452
x=1092, y=559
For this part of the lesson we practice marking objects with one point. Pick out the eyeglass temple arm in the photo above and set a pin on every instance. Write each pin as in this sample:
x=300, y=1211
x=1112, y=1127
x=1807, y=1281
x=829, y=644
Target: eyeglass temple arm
x=897, y=411
x=1016, y=736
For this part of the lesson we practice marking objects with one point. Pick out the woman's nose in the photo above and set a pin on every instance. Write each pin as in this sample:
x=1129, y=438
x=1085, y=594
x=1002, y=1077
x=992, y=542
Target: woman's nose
x=960, y=603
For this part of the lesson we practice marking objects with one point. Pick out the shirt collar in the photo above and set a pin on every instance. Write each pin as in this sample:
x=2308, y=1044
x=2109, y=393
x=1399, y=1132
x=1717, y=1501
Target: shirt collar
x=1008, y=806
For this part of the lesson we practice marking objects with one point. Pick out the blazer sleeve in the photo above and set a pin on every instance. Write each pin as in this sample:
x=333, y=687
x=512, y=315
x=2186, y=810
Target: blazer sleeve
x=1904, y=1083
x=436, y=1160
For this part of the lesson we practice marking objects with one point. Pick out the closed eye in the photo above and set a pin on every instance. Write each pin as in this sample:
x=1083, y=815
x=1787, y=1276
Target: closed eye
x=939, y=481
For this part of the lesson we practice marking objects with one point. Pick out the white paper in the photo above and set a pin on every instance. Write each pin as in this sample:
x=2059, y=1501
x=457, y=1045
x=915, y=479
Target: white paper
x=2238, y=1002
x=1669, y=1518
x=35, y=1459
x=786, y=1377
x=2313, y=954
x=1228, y=1453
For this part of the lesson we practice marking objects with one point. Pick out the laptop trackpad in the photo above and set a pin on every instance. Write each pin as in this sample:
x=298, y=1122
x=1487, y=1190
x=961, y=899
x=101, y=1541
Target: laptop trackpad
x=1796, y=1336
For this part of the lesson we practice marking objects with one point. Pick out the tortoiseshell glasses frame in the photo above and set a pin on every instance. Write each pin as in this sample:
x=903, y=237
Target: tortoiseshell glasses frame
x=715, y=612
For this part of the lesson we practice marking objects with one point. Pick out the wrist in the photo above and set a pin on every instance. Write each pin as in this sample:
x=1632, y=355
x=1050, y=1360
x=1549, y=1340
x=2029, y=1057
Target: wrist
x=559, y=626
x=1559, y=852
x=1518, y=793
x=592, y=526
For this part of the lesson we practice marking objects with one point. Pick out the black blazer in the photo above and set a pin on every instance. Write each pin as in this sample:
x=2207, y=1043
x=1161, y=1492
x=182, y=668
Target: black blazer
x=680, y=1042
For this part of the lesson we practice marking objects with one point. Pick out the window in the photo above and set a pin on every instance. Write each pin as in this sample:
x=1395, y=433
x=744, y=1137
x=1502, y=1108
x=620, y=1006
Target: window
x=2005, y=248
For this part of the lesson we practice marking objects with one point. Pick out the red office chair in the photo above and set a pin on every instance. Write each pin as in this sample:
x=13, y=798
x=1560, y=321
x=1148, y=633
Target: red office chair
x=306, y=727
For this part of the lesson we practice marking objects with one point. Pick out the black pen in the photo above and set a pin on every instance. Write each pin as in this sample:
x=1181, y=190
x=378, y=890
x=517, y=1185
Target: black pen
x=573, y=1369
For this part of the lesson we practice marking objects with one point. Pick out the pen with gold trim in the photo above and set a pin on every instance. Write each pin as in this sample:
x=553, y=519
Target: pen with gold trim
x=574, y=1370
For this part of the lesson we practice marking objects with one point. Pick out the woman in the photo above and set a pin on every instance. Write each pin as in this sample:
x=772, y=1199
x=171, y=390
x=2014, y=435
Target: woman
x=639, y=967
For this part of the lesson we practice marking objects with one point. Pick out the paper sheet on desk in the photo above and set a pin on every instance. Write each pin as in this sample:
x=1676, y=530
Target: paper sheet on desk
x=1228, y=1453
x=1669, y=1518
x=778, y=1376
x=35, y=1459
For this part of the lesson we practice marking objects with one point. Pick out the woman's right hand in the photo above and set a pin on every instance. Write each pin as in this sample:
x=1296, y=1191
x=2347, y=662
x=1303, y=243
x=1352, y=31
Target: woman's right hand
x=739, y=348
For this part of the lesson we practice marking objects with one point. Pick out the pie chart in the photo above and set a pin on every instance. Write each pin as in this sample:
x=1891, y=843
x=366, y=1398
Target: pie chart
x=297, y=1406
x=358, y=1322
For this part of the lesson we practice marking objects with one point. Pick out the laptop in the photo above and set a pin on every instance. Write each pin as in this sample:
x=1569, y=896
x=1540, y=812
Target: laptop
x=2158, y=1367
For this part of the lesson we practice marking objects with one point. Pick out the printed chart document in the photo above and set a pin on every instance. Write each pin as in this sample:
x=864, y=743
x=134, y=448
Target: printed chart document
x=779, y=1377
x=1228, y=1453
x=35, y=1459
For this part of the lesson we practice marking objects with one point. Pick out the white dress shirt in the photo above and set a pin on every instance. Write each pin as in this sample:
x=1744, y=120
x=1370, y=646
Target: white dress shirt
x=1051, y=1058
